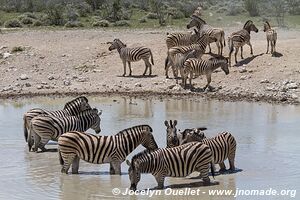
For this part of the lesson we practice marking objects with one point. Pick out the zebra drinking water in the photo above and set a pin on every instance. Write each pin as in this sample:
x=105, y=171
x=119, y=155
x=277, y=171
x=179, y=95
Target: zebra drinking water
x=238, y=39
x=114, y=149
x=197, y=67
x=271, y=37
x=131, y=55
x=178, y=161
x=48, y=127
x=71, y=108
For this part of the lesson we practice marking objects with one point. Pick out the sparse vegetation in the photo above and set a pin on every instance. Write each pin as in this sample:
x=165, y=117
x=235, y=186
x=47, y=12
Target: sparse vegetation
x=14, y=23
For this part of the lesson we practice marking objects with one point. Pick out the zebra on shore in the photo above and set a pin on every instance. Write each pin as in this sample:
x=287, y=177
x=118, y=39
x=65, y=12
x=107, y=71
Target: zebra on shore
x=181, y=39
x=271, y=37
x=238, y=39
x=131, y=55
x=114, y=149
x=197, y=67
x=216, y=35
x=48, y=127
x=71, y=108
x=223, y=146
x=178, y=161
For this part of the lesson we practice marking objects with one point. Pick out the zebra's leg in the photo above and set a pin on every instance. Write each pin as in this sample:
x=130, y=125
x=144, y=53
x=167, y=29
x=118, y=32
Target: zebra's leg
x=204, y=170
x=231, y=158
x=190, y=79
x=267, y=46
x=43, y=143
x=209, y=47
x=111, y=169
x=235, y=54
x=129, y=65
x=208, y=78
x=37, y=140
x=219, y=48
x=242, y=52
x=68, y=160
x=160, y=179
x=222, y=167
x=75, y=165
x=147, y=66
x=251, y=49
x=124, y=66
x=117, y=167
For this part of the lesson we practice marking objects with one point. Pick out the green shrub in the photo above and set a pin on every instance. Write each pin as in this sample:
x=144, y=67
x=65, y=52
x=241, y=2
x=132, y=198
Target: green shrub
x=13, y=23
x=143, y=20
x=83, y=9
x=73, y=24
x=152, y=16
x=37, y=23
x=71, y=13
x=101, y=23
x=27, y=20
x=122, y=23
x=252, y=7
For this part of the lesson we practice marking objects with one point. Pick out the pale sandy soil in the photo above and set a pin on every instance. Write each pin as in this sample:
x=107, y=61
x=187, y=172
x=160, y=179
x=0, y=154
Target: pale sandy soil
x=78, y=61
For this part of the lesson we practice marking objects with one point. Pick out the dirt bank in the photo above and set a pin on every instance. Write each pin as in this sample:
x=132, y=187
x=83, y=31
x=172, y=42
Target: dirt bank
x=78, y=61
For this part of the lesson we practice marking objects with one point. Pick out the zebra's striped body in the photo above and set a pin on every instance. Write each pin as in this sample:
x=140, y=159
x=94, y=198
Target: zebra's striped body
x=71, y=108
x=199, y=67
x=181, y=39
x=238, y=39
x=223, y=146
x=171, y=162
x=215, y=34
x=113, y=149
x=271, y=37
x=48, y=127
x=132, y=55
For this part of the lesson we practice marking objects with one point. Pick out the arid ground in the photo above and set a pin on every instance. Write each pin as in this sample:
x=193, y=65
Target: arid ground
x=78, y=62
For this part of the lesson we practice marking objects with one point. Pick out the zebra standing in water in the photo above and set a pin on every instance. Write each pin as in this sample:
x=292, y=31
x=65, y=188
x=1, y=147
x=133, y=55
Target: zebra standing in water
x=240, y=38
x=71, y=108
x=172, y=139
x=223, y=146
x=215, y=34
x=203, y=67
x=131, y=55
x=114, y=149
x=178, y=161
x=271, y=37
x=47, y=127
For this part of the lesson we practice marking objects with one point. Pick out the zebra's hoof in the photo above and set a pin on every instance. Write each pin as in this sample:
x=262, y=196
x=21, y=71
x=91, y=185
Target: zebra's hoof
x=64, y=171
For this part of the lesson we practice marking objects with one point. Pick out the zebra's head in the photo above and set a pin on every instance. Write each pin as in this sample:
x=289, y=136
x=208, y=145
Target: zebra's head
x=193, y=135
x=196, y=21
x=148, y=140
x=77, y=105
x=172, y=139
x=222, y=62
x=134, y=173
x=96, y=120
x=249, y=26
x=267, y=26
x=116, y=44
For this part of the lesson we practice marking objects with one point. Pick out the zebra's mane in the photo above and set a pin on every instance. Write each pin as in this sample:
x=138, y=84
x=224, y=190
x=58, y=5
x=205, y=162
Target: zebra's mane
x=74, y=100
x=268, y=24
x=248, y=23
x=119, y=42
x=127, y=129
x=197, y=18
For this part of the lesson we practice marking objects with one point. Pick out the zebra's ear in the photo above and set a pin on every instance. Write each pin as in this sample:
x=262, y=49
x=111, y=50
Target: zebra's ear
x=166, y=123
x=174, y=122
x=128, y=163
x=100, y=112
x=108, y=42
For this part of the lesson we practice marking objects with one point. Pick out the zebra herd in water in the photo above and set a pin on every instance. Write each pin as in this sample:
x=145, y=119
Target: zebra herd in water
x=185, y=50
x=186, y=152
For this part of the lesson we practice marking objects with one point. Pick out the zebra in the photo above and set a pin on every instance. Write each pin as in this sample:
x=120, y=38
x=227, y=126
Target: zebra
x=172, y=139
x=179, y=59
x=216, y=35
x=181, y=39
x=113, y=149
x=48, y=127
x=203, y=67
x=71, y=108
x=271, y=37
x=178, y=161
x=240, y=38
x=131, y=55
x=223, y=146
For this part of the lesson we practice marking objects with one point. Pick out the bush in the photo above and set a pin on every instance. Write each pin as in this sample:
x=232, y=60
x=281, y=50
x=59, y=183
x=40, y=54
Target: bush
x=187, y=8
x=37, y=23
x=122, y=23
x=252, y=7
x=55, y=15
x=27, y=20
x=83, y=9
x=152, y=16
x=143, y=20
x=101, y=23
x=73, y=24
x=234, y=9
x=71, y=13
x=13, y=23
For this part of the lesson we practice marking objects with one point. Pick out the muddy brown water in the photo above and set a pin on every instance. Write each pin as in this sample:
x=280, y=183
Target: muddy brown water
x=268, y=150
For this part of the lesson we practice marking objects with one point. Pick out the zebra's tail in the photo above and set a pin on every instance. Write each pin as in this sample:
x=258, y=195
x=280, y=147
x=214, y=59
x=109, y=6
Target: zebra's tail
x=151, y=57
x=61, y=160
x=212, y=169
x=223, y=38
x=25, y=129
x=166, y=62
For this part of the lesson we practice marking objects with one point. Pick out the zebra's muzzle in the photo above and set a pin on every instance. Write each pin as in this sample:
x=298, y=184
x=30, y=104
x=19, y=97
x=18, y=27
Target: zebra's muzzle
x=133, y=187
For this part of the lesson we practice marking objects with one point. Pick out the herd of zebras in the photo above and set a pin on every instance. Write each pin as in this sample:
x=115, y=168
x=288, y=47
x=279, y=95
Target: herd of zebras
x=186, y=49
x=186, y=152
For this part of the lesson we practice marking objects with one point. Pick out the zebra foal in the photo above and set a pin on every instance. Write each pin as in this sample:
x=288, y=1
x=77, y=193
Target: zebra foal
x=238, y=39
x=197, y=67
x=271, y=37
x=131, y=55
x=47, y=127
x=73, y=146
x=71, y=108
x=178, y=161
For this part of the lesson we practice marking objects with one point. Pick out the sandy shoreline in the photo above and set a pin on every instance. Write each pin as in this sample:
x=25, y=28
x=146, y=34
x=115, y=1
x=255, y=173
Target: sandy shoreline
x=74, y=62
